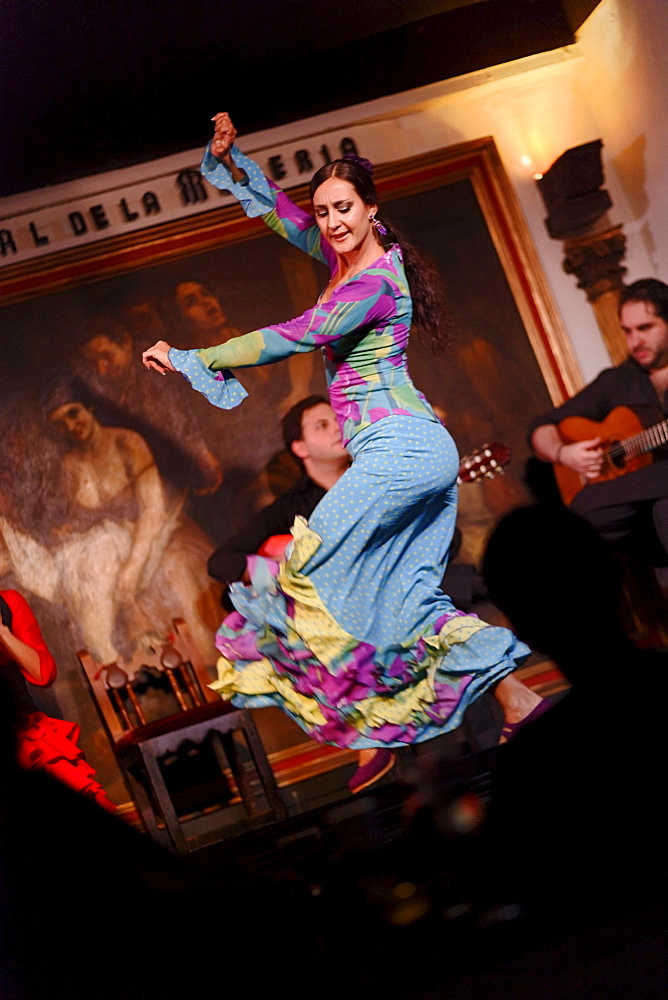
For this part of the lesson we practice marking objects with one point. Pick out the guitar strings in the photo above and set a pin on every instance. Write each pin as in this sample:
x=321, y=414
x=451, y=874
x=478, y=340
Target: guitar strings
x=650, y=438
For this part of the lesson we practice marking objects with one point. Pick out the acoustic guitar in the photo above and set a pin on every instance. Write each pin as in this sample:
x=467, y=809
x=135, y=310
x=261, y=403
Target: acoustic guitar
x=627, y=447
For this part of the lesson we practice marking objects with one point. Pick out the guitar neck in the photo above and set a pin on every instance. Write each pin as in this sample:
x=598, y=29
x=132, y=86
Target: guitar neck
x=641, y=443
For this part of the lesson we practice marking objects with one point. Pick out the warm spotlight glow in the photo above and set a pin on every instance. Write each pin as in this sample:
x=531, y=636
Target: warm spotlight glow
x=537, y=177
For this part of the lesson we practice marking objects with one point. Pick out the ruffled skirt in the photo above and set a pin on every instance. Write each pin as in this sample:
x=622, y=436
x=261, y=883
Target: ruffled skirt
x=351, y=634
x=51, y=745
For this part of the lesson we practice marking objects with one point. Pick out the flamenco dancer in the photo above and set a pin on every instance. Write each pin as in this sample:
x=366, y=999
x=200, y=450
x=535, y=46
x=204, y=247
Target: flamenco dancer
x=351, y=635
x=42, y=742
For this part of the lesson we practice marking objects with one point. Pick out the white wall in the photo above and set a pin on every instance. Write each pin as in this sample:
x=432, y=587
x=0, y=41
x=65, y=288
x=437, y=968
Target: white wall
x=625, y=76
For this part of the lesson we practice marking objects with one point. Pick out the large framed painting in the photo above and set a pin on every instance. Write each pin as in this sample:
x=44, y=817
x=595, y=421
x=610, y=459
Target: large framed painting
x=116, y=484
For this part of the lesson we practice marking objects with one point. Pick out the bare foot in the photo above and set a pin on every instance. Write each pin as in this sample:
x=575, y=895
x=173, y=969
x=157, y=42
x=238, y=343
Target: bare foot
x=516, y=699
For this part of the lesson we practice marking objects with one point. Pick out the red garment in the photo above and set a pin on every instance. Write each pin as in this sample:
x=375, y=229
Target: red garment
x=43, y=742
x=25, y=628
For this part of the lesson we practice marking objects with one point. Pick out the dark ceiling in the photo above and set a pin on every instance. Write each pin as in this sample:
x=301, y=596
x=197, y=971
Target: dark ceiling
x=93, y=85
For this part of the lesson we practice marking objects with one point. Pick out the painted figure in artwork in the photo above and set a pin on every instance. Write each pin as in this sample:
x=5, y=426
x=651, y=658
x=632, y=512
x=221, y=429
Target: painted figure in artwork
x=126, y=559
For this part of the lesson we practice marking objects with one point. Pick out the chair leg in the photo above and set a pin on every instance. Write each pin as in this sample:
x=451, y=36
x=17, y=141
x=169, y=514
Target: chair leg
x=225, y=748
x=263, y=767
x=147, y=811
x=172, y=822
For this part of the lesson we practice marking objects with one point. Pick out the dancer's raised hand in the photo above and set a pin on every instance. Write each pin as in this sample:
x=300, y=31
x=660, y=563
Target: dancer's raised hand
x=224, y=135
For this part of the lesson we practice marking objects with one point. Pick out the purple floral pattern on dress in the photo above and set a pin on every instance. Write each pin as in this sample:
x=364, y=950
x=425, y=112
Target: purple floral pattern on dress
x=360, y=673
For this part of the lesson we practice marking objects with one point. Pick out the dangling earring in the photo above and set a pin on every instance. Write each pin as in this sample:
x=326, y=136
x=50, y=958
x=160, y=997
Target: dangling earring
x=378, y=225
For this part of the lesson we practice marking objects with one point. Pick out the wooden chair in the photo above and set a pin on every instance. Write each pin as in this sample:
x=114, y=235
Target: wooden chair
x=156, y=703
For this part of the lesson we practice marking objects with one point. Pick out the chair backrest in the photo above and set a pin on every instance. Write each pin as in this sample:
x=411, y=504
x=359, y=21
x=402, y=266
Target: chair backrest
x=157, y=681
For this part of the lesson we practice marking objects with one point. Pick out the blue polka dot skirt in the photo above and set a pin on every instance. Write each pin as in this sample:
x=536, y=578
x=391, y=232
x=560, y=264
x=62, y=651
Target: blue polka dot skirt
x=351, y=634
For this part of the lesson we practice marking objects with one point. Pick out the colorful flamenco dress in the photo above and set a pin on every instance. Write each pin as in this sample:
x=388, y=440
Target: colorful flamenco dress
x=351, y=635
x=42, y=742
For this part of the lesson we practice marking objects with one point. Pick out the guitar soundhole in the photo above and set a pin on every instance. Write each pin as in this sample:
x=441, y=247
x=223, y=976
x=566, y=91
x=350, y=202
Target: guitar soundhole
x=617, y=455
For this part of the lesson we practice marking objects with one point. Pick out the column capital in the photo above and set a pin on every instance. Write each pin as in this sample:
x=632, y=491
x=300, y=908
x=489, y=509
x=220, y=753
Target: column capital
x=595, y=260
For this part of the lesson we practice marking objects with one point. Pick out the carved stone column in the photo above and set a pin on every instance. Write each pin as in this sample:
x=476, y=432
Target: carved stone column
x=595, y=259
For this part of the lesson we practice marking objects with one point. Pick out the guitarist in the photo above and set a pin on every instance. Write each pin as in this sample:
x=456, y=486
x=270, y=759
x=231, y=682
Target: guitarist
x=631, y=511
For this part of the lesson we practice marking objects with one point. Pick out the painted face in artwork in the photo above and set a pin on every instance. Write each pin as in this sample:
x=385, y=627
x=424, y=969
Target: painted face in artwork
x=74, y=421
x=109, y=359
x=199, y=307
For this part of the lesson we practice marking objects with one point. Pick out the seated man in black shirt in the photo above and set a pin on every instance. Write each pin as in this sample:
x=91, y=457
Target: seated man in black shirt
x=311, y=433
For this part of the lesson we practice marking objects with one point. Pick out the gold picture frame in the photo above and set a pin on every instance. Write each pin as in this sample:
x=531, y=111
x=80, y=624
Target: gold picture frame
x=511, y=357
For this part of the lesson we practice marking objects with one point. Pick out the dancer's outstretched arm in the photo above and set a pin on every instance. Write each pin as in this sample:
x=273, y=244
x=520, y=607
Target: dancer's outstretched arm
x=363, y=302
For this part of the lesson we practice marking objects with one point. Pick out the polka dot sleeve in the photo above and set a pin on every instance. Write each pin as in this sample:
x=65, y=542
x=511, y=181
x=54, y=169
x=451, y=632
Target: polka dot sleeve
x=221, y=388
x=255, y=194
x=259, y=196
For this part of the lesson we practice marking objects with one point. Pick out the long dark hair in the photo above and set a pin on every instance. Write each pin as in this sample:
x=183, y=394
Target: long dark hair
x=431, y=314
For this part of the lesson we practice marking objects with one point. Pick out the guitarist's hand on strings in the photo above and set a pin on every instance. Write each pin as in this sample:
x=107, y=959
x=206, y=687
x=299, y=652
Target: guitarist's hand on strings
x=583, y=457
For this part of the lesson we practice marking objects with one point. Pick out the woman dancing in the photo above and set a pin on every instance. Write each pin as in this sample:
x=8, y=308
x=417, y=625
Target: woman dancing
x=351, y=635
x=42, y=742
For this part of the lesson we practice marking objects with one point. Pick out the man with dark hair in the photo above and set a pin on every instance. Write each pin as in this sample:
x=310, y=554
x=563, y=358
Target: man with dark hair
x=310, y=433
x=630, y=510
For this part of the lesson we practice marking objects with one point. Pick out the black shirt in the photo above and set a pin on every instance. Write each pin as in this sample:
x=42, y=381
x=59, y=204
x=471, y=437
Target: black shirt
x=228, y=562
x=625, y=385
